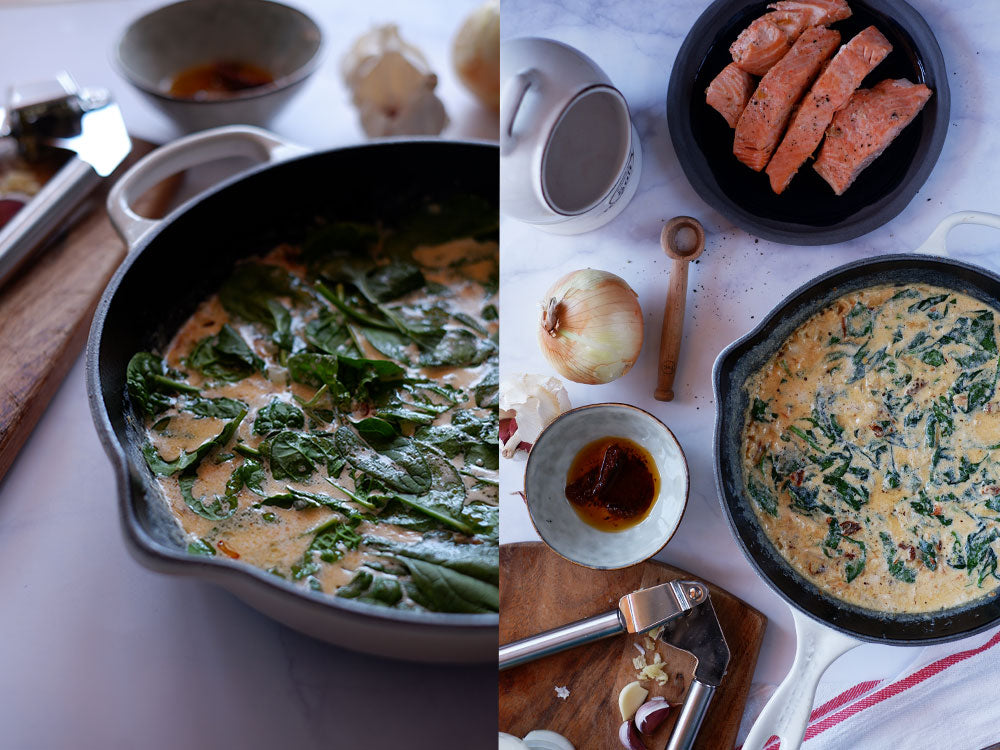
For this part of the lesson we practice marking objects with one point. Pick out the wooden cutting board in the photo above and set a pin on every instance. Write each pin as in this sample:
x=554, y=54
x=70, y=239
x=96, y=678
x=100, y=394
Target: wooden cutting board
x=46, y=308
x=540, y=590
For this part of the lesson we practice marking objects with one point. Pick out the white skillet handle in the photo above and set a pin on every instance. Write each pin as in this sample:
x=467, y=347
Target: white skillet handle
x=787, y=712
x=184, y=153
x=936, y=243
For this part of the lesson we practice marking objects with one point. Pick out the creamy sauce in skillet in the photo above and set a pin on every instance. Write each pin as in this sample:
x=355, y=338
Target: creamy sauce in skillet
x=348, y=529
x=872, y=449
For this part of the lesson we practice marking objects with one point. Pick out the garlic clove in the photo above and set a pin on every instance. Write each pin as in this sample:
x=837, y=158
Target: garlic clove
x=629, y=737
x=651, y=714
x=392, y=85
x=630, y=698
x=534, y=401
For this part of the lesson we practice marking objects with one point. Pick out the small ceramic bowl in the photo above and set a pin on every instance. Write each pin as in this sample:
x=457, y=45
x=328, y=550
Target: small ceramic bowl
x=545, y=486
x=161, y=44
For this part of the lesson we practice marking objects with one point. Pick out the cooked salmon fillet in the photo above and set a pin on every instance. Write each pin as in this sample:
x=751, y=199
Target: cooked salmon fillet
x=729, y=92
x=763, y=121
x=767, y=39
x=759, y=46
x=795, y=16
x=831, y=92
x=865, y=127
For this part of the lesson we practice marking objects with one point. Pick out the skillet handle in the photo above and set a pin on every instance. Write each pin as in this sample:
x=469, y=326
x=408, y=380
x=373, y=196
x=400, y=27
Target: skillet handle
x=936, y=243
x=184, y=153
x=787, y=712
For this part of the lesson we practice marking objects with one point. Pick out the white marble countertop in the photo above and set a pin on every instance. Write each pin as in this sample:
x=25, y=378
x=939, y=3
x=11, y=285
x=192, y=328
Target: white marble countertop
x=97, y=651
x=737, y=280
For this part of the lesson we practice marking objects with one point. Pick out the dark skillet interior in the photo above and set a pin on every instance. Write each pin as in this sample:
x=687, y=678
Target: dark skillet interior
x=807, y=212
x=186, y=260
x=748, y=355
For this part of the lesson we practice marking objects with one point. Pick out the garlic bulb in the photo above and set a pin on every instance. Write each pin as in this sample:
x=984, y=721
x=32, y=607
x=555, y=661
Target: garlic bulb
x=476, y=54
x=392, y=85
x=532, y=401
x=591, y=326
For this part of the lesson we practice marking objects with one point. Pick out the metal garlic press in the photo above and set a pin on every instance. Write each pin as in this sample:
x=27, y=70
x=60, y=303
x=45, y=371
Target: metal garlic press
x=57, y=113
x=636, y=613
x=684, y=609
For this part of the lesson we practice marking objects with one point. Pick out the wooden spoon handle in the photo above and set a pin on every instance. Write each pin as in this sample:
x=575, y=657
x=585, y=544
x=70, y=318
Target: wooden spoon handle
x=673, y=329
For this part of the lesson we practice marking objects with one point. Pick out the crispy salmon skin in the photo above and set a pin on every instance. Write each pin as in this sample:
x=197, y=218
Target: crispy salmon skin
x=729, y=92
x=830, y=93
x=762, y=123
x=765, y=41
x=863, y=129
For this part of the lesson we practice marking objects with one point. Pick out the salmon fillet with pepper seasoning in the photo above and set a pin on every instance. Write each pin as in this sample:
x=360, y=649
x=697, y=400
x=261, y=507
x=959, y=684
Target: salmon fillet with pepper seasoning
x=729, y=92
x=795, y=16
x=863, y=129
x=763, y=121
x=830, y=93
x=765, y=41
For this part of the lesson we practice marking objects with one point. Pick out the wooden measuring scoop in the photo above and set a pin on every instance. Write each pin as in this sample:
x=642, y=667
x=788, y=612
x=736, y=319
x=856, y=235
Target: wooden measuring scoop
x=682, y=239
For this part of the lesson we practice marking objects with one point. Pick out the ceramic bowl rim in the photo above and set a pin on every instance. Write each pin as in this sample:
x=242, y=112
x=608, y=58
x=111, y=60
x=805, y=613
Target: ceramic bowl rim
x=281, y=83
x=683, y=464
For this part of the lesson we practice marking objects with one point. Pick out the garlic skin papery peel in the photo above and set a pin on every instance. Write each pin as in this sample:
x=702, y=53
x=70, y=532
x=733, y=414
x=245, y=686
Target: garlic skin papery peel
x=392, y=85
x=476, y=54
x=533, y=401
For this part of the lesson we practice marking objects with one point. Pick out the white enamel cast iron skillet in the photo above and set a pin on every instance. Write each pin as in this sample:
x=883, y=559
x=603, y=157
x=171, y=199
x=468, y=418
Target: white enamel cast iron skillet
x=827, y=627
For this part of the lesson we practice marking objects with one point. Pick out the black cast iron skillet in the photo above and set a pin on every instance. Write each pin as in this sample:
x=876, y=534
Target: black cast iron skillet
x=850, y=625
x=807, y=212
x=177, y=263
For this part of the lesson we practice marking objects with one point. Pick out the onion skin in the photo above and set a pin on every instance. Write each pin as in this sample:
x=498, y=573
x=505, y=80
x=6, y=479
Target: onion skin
x=591, y=327
x=651, y=714
x=629, y=737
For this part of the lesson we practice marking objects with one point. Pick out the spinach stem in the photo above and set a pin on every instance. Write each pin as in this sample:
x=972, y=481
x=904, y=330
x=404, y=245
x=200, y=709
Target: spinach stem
x=246, y=451
x=329, y=295
x=175, y=385
x=355, y=498
x=411, y=501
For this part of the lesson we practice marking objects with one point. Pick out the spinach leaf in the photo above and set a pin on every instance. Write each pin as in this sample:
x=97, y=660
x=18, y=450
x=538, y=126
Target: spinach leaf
x=447, y=590
x=249, y=473
x=399, y=466
x=761, y=412
x=359, y=584
x=149, y=383
x=928, y=553
x=392, y=281
x=762, y=496
x=333, y=539
x=294, y=455
x=979, y=552
x=187, y=460
x=804, y=500
x=219, y=408
x=249, y=293
x=928, y=302
x=480, y=561
x=376, y=431
x=859, y=321
x=932, y=357
x=328, y=333
x=487, y=390
x=854, y=568
x=278, y=415
x=925, y=507
x=364, y=377
x=453, y=218
x=390, y=343
x=200, y=547
x=458, y=347
x=897, y=568
x=219, y=508
x=225, y=356
x=853, y=496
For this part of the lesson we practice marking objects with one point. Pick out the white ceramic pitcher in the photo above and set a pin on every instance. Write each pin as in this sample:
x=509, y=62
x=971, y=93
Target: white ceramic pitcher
x=569, y=154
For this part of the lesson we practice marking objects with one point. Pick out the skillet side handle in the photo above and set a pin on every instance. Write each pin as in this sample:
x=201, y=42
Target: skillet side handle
x=184, y=153
x=787, y=712
x=936, y=244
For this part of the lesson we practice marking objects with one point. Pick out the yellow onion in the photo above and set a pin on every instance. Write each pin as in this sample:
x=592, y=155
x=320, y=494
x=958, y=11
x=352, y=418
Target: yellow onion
x=591, y=326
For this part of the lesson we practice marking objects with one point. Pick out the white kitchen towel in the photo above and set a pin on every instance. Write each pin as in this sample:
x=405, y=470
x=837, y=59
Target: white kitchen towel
x=947, y=698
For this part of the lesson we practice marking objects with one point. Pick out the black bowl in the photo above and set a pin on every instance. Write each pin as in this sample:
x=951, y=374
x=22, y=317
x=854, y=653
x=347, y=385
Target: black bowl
x=808, y=212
